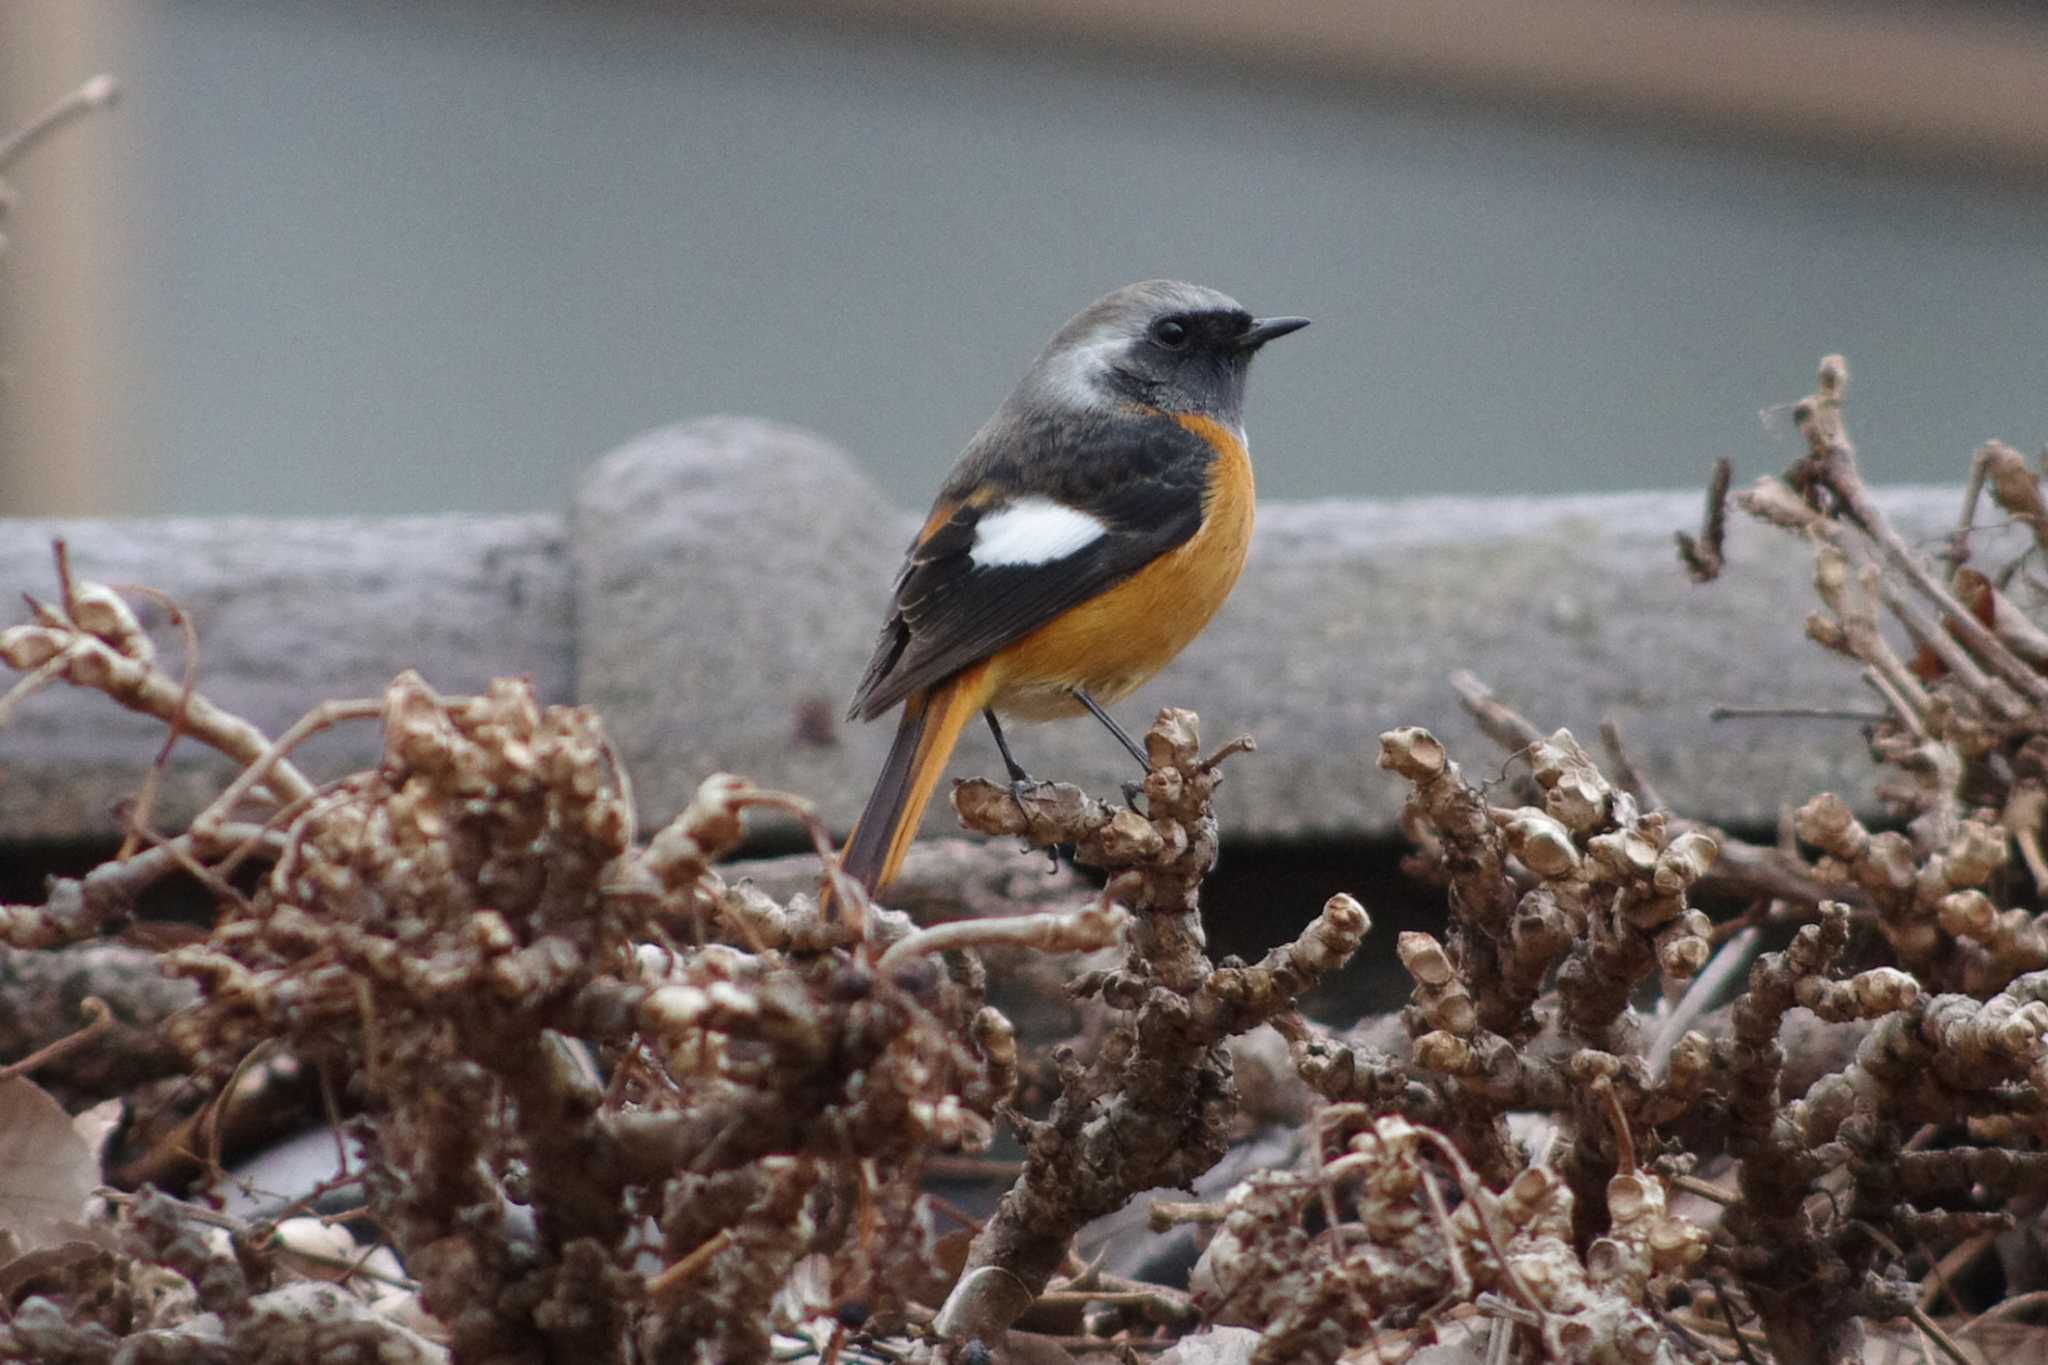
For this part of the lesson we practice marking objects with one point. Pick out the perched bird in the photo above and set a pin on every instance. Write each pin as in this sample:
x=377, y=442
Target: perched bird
x=1088, y=533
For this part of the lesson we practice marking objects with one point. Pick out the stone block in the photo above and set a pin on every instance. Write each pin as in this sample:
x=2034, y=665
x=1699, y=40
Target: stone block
x=717, y=586
x=289, y=613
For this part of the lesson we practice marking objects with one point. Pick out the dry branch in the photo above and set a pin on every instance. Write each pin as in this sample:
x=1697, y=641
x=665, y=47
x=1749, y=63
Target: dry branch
x=1154, y=1106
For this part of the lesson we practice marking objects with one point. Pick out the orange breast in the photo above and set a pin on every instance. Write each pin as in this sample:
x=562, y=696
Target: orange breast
x=1113, y=642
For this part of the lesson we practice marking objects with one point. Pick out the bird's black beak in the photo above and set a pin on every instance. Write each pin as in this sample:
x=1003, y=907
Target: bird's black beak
x=1264, y=330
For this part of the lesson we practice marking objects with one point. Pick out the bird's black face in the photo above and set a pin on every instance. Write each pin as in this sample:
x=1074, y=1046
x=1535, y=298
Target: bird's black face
x=1195, y=360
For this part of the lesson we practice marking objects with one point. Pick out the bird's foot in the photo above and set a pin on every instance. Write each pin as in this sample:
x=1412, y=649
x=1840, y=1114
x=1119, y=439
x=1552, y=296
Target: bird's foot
x=1021, y=786
x=1022, y=783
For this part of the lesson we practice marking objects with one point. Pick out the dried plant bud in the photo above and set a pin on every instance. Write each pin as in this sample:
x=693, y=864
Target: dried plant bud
x=1542, y=843
x=1772, y=500
x=95, y=668
x=2015, y=487
x=30, y=647
x=1834, y=377
x=1684, y=861
x=673, y=1011
x=1676, y=1245
x=1533, y=1191
x=1611, y=1262
x=1450, y=1009
x=1541, y=929
x=1165, y=786
x=1574, y=792
x=1550, y=1273
x=1685, y=946
x=1828, y=824
x=1827, y=632
x=1175, y=739
x=1391, y=1138
x=1978, y=853
x=1445, y=1052
x=2005, y=1029
x=1625, y=855
x=1651, y=912
x=105, y=614
x=1691, y=1061
x=1864, y=996
x=707, y=829
x=996, y=1037
x=1424, y=959
x=753, y=914
x=1129, y=837
x=1882, y=990
x=1413, y=753
x=1441, y=997
x=1968, y=914
x=1833, y=577
x=1888, y=865
x=1334, y=935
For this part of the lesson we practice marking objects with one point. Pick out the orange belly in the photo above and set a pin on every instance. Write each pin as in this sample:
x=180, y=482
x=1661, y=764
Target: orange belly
x=1116, y=640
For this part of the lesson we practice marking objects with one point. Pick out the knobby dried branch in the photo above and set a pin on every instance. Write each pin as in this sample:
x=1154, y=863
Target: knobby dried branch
x=571, y=1057
x=456, y=936
x=1154, y=1105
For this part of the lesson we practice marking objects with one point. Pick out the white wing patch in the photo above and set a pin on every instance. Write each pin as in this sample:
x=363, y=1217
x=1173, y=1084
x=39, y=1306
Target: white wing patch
x=1032, y=530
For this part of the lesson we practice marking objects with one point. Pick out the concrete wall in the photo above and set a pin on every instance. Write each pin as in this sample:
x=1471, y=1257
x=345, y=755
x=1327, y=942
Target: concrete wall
x=712, y=593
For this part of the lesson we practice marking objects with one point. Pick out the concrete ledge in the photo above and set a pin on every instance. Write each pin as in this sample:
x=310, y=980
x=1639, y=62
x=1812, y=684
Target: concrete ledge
x=715, y=590
x=289, y=613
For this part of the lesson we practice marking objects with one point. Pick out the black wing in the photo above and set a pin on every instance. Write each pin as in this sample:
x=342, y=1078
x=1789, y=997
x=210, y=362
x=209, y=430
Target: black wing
x=950, y=612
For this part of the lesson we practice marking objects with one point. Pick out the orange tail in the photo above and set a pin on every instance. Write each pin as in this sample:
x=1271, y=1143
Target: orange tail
x=932, y=721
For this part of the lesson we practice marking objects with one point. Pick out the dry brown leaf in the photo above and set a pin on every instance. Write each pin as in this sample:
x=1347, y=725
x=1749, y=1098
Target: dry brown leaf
x=48, y=1169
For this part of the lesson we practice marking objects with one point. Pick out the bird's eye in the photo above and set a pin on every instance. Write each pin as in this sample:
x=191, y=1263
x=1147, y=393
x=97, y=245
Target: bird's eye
x=1170, y=333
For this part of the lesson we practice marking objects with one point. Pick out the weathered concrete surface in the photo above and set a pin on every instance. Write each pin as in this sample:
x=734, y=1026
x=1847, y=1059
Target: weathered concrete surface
x=729, y=575
x=289, y=613
x=729, y=581
x=1351, y=615
x=732, y=575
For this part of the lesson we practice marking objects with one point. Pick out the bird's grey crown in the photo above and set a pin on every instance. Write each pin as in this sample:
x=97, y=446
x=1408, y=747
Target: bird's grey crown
x=1129, y=310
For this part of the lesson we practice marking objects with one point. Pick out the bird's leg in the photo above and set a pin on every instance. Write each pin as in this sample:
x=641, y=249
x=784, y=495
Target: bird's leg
x=1131, y=746
x=1019, y=779
x=1131, y=789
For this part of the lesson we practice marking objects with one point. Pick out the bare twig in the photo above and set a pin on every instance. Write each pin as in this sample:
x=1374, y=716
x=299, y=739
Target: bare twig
x=1702, y=557
x=1625, y=767
x=97, y=93
x=1832, y=461
x=1729, y=712
x=145, y=802
x=1942, y=1340
x=270, y=765
x=1079, y=931
x=100, y=1019
x=1501, y=723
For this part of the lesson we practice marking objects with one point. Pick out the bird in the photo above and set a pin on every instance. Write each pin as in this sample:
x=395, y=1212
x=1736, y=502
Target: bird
x=1088, y=532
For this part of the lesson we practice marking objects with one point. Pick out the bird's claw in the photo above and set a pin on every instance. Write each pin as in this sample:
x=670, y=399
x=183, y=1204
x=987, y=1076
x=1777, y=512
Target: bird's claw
x=1020, y=784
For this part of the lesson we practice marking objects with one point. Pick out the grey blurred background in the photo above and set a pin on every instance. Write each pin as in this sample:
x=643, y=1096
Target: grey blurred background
x=395, y=257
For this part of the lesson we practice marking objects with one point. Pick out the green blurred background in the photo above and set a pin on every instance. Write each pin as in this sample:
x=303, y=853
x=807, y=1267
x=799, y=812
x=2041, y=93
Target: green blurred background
x=395, y=257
